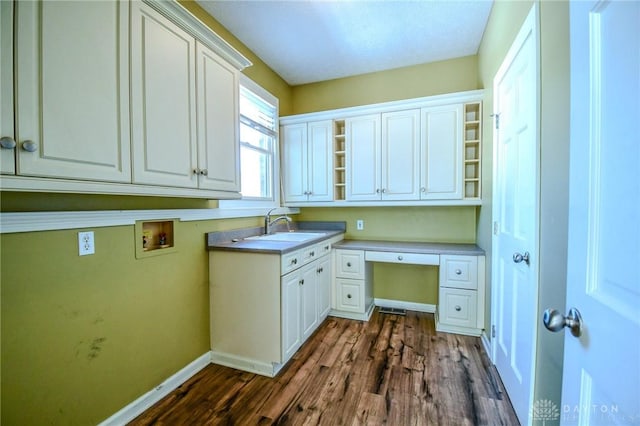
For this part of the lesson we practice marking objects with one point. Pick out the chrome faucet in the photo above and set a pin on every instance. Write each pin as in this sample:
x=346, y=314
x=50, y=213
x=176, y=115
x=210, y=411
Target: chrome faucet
x=268, y=222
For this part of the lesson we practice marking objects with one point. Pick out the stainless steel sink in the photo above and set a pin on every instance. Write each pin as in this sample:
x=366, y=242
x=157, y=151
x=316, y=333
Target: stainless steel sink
x=288, y=236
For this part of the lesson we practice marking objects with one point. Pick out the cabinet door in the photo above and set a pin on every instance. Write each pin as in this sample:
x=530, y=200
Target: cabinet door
x=218, y=140
x=401, y=155
x=441, y=170
x=72, y=90
x=320, y=161
x=294, y=155
x=163, y=101
x=7, y=154
x=324, y=287
x=291, y=324
x=363, y=180
x=309, y=299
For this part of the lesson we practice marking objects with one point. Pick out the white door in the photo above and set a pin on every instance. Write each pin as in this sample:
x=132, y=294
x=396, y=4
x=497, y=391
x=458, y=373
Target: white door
x=7, y=149
x=401, y=155
x=294, y=156
x=363, y=179
x=320, y=161
x=515, y=207
x=441, y=153
x=218, y=139
x=601, y=379
x=72, y=90
x=291, y=323
x=163, y=101
x=324, y=287
x=309, y=299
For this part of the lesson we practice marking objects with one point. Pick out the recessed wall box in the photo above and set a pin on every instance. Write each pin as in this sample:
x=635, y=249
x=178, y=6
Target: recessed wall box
x=155, y=237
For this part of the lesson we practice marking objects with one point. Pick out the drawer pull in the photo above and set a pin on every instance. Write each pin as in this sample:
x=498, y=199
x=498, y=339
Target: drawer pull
x=458, y=272
x=313, y=253
x=458, y=308
x=348, y=296
x=399, y=257
x=294, y=261
x=349, y=264
x=301, y=282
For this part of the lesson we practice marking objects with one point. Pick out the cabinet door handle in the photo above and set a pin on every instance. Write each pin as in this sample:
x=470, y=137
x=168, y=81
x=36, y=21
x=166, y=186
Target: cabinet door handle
x=301, y=282
x=313, y=253
x=458, y=272
x=294, y=261
x=7, y=142
x=458, y=308
x=29, y=146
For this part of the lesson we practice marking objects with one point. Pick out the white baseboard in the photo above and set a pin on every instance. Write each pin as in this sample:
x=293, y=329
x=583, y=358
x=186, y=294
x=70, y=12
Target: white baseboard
x=245, y=364
x=353, y=315
x=410, y=306
x=487, y=345
x=147, y=400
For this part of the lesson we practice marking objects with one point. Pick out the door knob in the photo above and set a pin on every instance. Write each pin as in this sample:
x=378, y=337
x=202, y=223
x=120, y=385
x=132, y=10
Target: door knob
x=555, y=321
x=517, y=257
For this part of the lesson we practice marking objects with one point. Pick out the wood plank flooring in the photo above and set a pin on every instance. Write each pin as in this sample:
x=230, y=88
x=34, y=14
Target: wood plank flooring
x=392, y=370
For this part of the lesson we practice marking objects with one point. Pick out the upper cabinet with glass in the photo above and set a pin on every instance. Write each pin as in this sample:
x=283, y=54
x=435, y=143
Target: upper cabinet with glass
x=423, y=151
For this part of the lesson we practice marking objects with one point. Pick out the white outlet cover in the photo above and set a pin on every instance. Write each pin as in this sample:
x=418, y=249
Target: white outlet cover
x=86, y=243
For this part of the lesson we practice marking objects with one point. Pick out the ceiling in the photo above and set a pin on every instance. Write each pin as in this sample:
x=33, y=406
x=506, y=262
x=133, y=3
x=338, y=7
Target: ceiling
x=317, y=40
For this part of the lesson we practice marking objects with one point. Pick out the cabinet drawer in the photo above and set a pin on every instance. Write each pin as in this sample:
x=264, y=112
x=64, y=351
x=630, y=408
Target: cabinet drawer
x=291, y=261
x=396, y=257
x=458, y=307
x=459, y=272
x=350, y=264
x=350, y=295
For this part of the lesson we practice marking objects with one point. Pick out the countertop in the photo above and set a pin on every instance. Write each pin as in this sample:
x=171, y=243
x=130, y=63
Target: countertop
x=411, y=247
x=235, y=240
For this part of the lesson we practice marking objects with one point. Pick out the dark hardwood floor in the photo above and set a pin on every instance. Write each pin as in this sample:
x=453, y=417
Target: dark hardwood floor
x=392, y=370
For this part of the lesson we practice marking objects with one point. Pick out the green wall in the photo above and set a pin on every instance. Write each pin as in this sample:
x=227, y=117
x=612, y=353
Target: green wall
x=435, y=78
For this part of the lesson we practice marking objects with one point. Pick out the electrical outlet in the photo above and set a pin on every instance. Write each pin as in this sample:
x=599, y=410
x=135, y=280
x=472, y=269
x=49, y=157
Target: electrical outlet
x=359, y=224
x=86, y=243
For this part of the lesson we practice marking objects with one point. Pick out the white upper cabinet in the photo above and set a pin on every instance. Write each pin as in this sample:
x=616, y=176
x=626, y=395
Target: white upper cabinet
x=441, y=158
x=7, y=135
x=363, y=152
x=218, y=134
x=307, y=156
x=72, y=89
x=383, y=156
x=400, y=155
x=163, y=92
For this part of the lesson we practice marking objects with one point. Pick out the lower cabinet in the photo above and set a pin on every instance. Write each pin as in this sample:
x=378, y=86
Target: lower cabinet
x=353, y=286
x=264, y=305
x=461, y=295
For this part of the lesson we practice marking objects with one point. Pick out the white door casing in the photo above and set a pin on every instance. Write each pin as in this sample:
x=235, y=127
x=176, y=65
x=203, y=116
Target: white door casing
x=516, y=216
x=601, y=376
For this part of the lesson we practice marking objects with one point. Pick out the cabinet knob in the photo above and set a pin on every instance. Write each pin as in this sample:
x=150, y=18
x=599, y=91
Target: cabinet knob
x=7, y=142
x=204, y=172
x=313, y=253
x=384, y=190
x=348, y=264
x=301, y=282
x=377, y=190
x=423, y=189
x=196, y=171
x=458, y=272
x=400, y=258
x=348, y=296
x=29, y=146
x=294, y=261
x=458, y=308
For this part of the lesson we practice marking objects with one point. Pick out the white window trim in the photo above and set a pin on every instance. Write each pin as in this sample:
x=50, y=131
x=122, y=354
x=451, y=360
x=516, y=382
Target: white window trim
x=259, y=206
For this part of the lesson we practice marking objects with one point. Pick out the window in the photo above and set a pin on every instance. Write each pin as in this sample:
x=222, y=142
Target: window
x=258, y=147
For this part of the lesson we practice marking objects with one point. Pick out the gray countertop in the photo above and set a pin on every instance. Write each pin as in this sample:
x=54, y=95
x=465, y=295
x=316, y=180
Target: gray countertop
x=411, y=247
x=235, y=240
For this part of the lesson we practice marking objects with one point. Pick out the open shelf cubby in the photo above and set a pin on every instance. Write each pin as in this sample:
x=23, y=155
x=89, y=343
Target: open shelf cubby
x=339, y=150
x=155, y=237
x=472, y=150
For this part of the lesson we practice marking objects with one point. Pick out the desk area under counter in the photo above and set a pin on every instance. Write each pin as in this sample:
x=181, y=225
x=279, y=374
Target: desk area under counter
x=461, y=267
